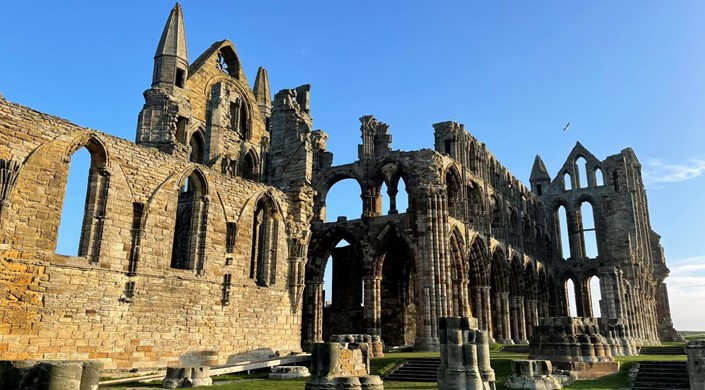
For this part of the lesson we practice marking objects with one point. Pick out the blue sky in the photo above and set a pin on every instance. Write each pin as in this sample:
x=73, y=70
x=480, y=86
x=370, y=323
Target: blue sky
x=625, y=74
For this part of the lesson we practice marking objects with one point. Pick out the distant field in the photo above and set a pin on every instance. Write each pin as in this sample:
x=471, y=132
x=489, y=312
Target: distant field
x=692, y=335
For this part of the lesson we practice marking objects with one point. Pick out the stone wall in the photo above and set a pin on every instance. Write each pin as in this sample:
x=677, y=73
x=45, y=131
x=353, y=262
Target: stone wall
x=129, y=308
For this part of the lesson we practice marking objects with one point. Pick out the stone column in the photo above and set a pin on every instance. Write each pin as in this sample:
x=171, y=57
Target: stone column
x=514, y=318
x=314, y=327
x=426, y=309
x=392, y=200
x=373, y=304
x=505, y=318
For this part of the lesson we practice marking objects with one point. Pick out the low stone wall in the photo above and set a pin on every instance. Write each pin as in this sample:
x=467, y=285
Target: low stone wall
x=573, y=344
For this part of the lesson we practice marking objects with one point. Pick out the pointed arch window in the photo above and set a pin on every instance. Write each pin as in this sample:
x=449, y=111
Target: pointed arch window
x=95, y=206
x=197, y=148
x=250, y=167
x=588, y=232
x=581, y=179
x=453, y=193
x=239, y=119
x=190, y=224
x=562, y=239
x=265, y=231
x=567, y=183
x=599, y=178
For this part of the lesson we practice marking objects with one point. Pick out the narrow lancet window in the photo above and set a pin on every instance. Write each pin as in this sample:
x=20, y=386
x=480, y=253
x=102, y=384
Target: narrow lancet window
x=264, y=243
x=189, y=227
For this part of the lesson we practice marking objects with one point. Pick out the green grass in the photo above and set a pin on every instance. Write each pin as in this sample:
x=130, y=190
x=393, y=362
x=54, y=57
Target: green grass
x=696, y=336
x=501, y=363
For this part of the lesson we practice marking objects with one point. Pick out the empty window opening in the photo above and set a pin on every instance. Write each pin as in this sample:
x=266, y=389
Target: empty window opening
x=197, y=151
x=595, y=296
x=538, y=189
x=448, y=144
x=244, y=122
x=221, y=64
x=230, y=230
x=562, y=230
x=588, y=230
x=73, y=209
x=328, y=283
x=239, y=119
x=328, y=275
x=250, y=169
x=599, y=179
x=567, y=183
x=181, y=125
x=475, y=203
x=341, y=201
x=402, y=196
x=384, y=202
x=393, y=200
x=180, y=78
x=615, y=180
x=265, y=231
x=189, y=226
x=570, y=298
x=581, y=171
x=453, y=193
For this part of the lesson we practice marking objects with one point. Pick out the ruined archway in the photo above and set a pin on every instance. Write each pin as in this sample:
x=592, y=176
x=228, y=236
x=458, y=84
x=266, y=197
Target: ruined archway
x=344, y=314
x=393, y=269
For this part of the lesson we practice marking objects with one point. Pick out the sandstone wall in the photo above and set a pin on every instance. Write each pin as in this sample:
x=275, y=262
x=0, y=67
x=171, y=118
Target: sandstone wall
x=61, y=307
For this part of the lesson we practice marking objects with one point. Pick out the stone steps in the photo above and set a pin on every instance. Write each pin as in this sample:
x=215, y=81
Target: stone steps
x=656, y=350
x=517, y=348
x=661, y=375
x=415, y=370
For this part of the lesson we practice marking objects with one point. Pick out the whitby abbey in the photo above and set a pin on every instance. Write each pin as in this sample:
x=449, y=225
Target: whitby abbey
x=207, y=236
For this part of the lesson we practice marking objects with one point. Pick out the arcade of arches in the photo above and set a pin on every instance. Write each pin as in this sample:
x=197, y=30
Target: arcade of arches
x=475, y=242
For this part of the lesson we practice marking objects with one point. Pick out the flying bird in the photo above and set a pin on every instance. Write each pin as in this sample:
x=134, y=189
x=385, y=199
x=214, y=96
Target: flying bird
x=567, y=126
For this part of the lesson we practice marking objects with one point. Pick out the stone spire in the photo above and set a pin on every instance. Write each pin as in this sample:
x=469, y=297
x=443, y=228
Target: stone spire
x=262, y=94
x=539, y=171
x=540, y=179
x=171, y=59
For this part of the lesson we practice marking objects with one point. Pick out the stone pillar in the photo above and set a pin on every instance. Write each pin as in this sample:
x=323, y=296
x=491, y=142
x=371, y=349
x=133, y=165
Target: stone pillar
x=518, y=320
x=506, y=321
x=482, y=308
x=314, y=326
x=696, y=364
x=392, y=200
x=51, y=375
x=373, y=304
x=464, y=352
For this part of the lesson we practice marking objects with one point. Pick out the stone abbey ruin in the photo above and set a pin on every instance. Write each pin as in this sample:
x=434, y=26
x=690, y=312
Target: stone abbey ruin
x=207, y=240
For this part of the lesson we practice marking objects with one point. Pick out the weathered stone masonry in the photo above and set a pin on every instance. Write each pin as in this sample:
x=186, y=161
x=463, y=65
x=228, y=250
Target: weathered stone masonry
x=185, y=251
x=205, y=242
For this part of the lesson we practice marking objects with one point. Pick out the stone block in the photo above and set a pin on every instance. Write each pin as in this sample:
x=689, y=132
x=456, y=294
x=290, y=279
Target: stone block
x=695, y=350
x=289, y=372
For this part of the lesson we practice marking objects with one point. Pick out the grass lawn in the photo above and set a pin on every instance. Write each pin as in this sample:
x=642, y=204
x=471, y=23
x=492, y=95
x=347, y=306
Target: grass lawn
x=501, y=363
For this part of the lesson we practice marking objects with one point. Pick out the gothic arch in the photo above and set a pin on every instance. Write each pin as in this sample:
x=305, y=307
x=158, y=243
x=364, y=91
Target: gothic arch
x=454, y=191
x=265, y=232
x=190, y=221
x=96, y=200
x=250, y=165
